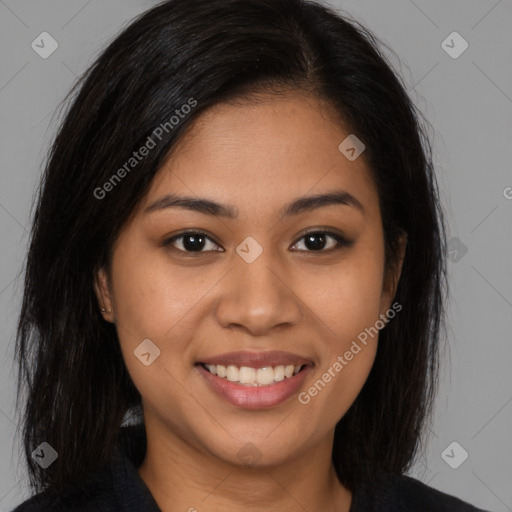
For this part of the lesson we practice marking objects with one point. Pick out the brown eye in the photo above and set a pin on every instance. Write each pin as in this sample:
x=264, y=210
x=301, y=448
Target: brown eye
x=323, y=241
x=192, y=241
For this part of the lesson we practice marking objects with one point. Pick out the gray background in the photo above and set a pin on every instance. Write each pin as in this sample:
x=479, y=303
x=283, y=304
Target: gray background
x=468, y=100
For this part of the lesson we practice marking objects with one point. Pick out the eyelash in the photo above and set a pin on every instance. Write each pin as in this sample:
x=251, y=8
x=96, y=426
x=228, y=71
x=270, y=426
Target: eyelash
x=340, y=240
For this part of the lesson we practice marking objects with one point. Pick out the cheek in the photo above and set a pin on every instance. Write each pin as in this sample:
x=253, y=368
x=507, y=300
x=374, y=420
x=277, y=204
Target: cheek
x=348, y=307
x=152, y=300
x=346, y=300
x=150, y=305
x=153, y=305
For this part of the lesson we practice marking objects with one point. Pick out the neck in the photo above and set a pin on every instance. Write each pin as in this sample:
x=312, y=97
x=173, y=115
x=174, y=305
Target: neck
x=181, y=478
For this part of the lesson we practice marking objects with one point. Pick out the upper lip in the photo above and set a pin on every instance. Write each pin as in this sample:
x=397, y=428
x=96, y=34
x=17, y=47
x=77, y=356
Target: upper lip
x=257, y=359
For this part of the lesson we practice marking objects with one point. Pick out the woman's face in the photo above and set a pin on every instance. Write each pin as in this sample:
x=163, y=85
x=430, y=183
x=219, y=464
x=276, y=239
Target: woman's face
x=253, y=290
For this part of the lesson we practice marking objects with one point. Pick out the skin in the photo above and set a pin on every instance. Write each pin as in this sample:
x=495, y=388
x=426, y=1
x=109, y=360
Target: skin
x=257, y=157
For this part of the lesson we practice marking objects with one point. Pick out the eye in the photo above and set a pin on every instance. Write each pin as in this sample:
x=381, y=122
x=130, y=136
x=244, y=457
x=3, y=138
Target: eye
x=192, y=242
x=316, y=241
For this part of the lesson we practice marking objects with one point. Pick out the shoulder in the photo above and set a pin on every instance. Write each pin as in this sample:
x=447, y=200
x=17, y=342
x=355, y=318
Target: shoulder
x=408, y=494
x=93, y=494
x=116, y=486
x=389, y=492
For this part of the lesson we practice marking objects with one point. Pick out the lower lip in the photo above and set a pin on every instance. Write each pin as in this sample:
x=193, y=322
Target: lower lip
x=253, y=397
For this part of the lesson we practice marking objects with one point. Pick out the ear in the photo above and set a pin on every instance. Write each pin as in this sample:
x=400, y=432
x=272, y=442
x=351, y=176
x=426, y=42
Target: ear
x=392, y=275
x=103, y=292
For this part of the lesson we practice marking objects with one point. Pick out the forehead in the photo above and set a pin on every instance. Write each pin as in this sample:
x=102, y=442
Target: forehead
x=262, y=153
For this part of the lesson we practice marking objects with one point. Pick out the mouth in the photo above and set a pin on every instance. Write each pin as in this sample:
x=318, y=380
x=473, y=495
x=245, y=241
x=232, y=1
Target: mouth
x=255, y=380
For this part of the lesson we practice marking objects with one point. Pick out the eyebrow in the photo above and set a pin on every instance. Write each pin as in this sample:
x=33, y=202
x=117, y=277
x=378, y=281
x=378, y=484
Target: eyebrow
x=209, y=207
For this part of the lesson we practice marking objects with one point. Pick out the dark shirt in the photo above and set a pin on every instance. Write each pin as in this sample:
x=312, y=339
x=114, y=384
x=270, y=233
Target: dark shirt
x=119, y=488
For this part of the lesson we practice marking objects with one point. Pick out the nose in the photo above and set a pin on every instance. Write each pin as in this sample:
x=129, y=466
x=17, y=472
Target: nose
x=258, y=297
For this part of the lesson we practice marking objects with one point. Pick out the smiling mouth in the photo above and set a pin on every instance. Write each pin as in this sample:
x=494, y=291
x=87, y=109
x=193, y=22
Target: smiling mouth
x=254, y=377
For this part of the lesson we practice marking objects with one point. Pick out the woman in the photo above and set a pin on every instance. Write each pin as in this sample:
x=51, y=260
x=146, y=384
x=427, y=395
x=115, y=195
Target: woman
x=239, y=249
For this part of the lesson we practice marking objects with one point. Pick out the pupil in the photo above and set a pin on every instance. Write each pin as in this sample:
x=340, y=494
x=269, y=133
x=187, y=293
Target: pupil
x=310, y=241
x=193, y=242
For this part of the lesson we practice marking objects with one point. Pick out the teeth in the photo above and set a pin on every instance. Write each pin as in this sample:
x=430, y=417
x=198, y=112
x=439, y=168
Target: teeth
x=264, y=376
x=247, y=376
x=279, y=373
x=213, y=369
x=232, y=373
